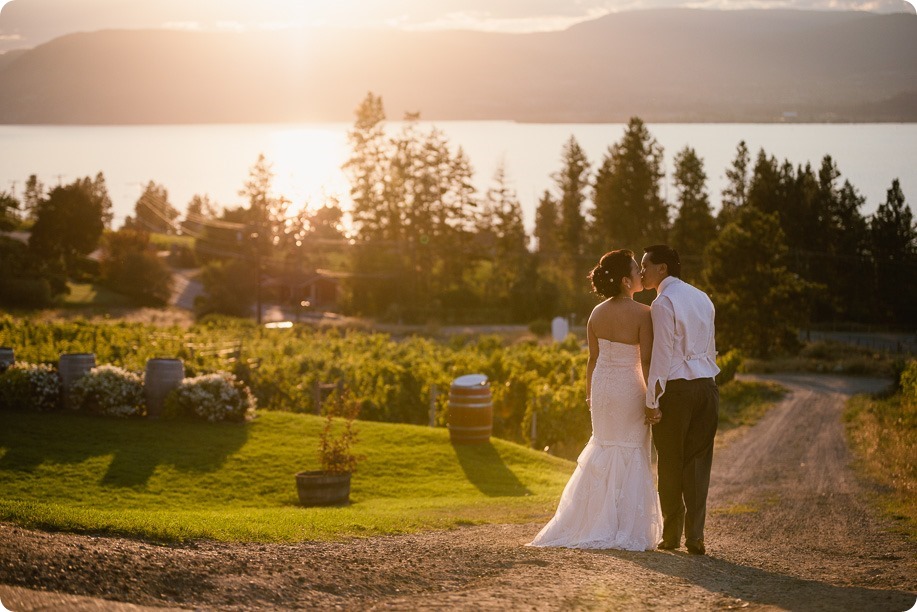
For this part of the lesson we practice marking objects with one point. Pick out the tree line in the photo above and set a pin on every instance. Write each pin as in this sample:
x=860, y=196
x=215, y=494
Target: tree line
x=790, y=244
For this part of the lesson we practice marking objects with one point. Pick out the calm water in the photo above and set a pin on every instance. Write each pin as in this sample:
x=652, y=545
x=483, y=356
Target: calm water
x=215, y=159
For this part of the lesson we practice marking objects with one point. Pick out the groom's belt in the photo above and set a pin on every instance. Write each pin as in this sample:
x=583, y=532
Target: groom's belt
x=685, y=381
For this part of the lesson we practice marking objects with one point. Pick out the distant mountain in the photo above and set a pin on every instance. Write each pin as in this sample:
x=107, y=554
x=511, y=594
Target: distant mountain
x=664, y=65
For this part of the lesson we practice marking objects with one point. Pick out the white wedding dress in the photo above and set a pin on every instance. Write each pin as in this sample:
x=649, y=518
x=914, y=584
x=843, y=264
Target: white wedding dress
x=611, y=500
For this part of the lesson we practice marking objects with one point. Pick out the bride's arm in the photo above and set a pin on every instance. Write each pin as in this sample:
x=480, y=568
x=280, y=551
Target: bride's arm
x=593, y=355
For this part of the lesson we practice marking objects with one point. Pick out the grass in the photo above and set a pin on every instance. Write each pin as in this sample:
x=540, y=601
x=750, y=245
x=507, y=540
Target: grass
x=883, y=435
x=88, y=294
x=743, y=403
x=829, y=357
x=174, y=481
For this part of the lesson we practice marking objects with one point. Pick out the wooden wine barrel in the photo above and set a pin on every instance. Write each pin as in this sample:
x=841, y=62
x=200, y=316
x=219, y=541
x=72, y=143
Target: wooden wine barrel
x=471, y=411
x=161, y=376
x=71, y=367
x=323, y=488
x=7, y=358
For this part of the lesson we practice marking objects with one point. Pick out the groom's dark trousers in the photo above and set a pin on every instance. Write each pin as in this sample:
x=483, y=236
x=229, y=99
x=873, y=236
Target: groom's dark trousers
x=684, y=443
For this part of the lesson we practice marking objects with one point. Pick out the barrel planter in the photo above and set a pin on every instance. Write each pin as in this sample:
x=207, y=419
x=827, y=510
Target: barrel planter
x=471, y=412
x=323, y=488
x=7, y=358
x=71, y=367
x=161, y=376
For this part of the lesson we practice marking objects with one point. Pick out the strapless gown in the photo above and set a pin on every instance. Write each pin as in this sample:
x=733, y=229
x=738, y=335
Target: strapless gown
x=611, y=499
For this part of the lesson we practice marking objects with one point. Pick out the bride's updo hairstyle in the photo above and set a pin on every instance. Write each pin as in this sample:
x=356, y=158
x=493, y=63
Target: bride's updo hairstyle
x=606, y=277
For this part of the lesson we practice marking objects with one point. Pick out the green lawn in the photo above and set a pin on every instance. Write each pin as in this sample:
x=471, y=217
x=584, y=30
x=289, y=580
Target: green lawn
x=171, y=481
x=88, y=294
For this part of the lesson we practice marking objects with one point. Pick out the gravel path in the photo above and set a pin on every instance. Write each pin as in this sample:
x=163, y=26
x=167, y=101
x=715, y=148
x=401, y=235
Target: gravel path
x=789, y=528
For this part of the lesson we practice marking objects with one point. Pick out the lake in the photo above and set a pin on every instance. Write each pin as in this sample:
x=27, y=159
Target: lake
x=215, y=159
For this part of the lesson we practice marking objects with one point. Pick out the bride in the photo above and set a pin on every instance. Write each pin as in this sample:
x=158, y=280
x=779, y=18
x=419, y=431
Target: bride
x=611, y=500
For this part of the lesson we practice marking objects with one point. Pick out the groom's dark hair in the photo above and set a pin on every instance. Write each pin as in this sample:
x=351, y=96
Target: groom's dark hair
x=663, y=253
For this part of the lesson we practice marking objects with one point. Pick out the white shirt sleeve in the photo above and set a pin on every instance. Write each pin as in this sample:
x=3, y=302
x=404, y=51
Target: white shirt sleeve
x=663, y=315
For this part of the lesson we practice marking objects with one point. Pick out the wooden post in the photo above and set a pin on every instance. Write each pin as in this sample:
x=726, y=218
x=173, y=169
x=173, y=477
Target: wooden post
x=317, y=397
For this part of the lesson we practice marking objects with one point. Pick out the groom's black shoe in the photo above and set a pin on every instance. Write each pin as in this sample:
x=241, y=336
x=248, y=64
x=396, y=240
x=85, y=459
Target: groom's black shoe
x=668, y=545
x=696, y=548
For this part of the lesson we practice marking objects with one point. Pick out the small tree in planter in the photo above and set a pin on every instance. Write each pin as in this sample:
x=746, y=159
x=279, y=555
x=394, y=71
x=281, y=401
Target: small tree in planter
x=331, y=484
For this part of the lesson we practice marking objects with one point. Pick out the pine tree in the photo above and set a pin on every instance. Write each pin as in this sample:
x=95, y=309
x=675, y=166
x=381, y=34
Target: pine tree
x=629, y=210
x=153, y=212
x=735, y=195
x=893, y=241
x=366, y=167
x=694, y=226
x=572, y=182
x=547, y=220
x=760, y=304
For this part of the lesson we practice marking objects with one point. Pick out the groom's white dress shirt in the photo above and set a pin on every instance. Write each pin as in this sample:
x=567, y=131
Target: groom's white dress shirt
x=683, y=343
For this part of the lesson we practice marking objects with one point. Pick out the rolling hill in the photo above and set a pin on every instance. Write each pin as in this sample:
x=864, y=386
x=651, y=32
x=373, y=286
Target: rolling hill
x=664, y=65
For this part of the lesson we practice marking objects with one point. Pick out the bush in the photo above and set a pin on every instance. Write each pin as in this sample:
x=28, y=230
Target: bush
x=908, y=383
x=28, y=386
x=130, y=266
x=229, y=288
x=211, y=397
x=540, y=327
x=729, y=364
x=109, y=391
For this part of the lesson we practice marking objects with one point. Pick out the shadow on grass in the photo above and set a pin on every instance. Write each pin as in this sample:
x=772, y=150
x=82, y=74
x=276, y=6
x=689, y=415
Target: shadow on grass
x=761, y=587
x=138, y=446
x=485, y=469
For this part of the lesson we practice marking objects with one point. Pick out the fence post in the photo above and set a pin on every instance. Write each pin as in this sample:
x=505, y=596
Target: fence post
x=433, y=394
x=317, y=397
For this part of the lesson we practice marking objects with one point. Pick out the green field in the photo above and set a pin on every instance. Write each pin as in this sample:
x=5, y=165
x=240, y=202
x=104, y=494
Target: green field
x=173, y=481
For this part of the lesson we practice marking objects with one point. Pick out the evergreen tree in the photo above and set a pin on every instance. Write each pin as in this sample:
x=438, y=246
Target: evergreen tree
x=629, y=210
x=500, y=236
x=366, y=167
x=547, y=220
x=894, y=248
x=9, y=208
x=735, y=195
x=572, y=182
x=760, y=304
x=34, y=193
x=153, y=212
x=694, y=226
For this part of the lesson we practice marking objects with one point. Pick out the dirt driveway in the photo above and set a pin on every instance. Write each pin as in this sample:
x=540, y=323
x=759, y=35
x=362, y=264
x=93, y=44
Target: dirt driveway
x=789, y=529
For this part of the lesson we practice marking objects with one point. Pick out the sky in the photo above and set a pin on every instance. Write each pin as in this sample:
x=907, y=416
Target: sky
x=26, y=23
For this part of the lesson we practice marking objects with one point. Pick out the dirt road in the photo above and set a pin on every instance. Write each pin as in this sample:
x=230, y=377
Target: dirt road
x=789, y=528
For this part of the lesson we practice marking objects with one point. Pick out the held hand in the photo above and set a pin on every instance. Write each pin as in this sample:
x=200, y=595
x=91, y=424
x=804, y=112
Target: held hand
x=653, y=415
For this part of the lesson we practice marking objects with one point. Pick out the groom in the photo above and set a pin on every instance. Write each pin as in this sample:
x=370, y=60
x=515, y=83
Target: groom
x=682, y=400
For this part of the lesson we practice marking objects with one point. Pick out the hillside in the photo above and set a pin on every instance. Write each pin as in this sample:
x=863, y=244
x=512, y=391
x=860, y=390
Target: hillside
x=169, y=480
x=664, y=65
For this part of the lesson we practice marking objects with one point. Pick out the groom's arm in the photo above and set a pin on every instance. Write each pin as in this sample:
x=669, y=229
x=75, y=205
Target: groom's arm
x=663, y=315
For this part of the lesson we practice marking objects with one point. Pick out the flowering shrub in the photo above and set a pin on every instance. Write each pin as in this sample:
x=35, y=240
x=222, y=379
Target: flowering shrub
x=29, y=386
x=211, y=397
x=109, y=390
